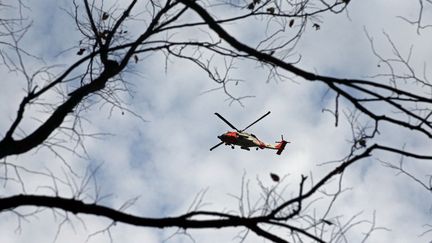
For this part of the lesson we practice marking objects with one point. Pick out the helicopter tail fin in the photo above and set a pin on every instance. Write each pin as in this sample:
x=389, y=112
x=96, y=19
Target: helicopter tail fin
x=280, y=146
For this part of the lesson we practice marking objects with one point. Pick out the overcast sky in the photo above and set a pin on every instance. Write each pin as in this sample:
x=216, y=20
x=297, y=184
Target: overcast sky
x=165, y=160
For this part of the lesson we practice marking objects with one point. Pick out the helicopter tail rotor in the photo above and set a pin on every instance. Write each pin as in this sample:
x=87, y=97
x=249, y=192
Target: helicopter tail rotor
x=280, y=146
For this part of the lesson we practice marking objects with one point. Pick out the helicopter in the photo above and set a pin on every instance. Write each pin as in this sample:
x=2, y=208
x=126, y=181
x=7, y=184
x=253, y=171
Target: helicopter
x=247, y=140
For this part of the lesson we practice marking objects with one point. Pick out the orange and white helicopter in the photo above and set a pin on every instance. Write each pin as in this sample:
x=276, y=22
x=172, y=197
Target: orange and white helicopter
x=247, y=140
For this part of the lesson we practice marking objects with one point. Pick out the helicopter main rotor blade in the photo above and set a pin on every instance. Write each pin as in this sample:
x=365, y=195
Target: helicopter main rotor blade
x=217, y=145
x=266, y=114
x=227, y=122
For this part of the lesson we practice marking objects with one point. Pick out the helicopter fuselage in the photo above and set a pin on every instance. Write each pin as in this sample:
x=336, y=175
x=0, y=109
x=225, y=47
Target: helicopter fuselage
x=243, y=139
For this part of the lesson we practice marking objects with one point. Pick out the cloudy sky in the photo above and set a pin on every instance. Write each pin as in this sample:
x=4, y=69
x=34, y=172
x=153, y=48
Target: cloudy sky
x=162, y=157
